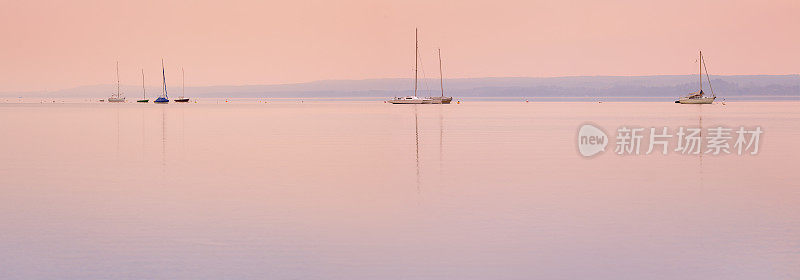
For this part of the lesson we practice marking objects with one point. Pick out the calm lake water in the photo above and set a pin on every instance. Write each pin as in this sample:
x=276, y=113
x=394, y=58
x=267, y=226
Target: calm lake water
x=366, y=190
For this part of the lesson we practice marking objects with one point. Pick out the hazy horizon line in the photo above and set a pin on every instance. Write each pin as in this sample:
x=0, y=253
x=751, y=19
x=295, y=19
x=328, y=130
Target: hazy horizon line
x=399, y=78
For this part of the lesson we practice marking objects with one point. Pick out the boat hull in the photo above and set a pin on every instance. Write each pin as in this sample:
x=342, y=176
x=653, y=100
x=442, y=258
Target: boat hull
x=410, y=100
x=182, y=100
x=441, y=100
x=143, y=101
x=116, y=100
x=703, y=100
x=418, y=101
x=161, y=100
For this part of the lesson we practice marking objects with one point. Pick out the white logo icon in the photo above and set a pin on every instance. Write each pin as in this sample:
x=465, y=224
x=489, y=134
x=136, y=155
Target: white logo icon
x=591, y=140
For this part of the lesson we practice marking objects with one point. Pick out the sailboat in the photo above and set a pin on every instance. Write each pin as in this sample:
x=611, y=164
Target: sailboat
x=183, y=88
x=441, y=99
x=144, y=92
x=117, y=97
x=413, y=99
x=163, y=99
x=698, y=96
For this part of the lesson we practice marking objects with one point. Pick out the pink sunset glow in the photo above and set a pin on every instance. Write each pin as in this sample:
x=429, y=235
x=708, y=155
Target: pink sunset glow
x=49, y=45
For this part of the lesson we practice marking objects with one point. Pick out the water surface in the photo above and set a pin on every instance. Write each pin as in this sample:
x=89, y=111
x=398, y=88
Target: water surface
x=366, y=190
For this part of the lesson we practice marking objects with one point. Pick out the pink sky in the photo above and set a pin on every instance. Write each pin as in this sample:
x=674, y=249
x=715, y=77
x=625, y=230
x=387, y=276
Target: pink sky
x=50, y=45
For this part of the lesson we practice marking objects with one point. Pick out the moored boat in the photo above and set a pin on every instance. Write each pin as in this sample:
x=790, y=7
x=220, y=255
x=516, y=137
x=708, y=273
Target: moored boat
x=144, y=92
x=698, y=97
x=413, y=99
x=441, y=99
x=163, y=99
x=117, y=97
x=182, y=99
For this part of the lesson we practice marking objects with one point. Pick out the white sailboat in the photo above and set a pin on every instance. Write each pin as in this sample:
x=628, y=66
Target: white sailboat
x=117, y=97
x=699, y=97
x=413, y=99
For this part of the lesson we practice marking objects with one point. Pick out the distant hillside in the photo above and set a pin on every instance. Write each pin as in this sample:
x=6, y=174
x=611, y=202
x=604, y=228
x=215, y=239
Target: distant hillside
x=589, y=86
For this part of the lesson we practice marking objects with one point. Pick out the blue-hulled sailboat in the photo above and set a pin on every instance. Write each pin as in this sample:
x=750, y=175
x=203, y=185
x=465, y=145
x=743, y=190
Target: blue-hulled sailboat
x=163, y=98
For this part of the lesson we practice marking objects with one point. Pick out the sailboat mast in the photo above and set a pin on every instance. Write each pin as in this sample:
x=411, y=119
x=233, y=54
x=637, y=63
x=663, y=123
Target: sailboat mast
x=441, y=75
x=416, y=58
x=164, y=78
x=117, y=79
x=701, y=70
x=183, y=83
x=144, y=91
